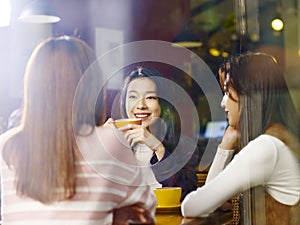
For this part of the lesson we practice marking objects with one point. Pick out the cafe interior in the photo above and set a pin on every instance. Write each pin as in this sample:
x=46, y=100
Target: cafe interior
x=211, y=30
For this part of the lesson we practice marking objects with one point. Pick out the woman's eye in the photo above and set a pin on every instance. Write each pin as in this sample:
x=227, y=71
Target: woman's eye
x=131, y=97
x=152, y=97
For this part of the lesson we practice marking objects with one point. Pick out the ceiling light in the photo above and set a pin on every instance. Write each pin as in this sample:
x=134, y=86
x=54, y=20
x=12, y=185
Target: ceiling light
x=187, y=38
x=39, y=11
x=277, y=24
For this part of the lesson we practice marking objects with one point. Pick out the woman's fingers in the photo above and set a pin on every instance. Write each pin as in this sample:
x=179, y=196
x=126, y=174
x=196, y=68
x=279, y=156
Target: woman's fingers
x=109, y=122
x=129, y=127
x=140, y=135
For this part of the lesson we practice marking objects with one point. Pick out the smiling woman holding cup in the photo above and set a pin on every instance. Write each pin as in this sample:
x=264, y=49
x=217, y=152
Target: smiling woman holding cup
x=145, y=95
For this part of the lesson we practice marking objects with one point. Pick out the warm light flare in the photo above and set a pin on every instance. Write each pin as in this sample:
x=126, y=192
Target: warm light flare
x=277, y=24
x=214, y=52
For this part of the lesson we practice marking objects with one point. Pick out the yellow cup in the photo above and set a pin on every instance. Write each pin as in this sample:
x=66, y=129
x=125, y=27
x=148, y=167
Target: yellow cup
x=122, y=122
x=168, y=196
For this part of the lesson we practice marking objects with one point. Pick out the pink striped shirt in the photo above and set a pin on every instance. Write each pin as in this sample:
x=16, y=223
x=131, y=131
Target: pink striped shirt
x=107, y=178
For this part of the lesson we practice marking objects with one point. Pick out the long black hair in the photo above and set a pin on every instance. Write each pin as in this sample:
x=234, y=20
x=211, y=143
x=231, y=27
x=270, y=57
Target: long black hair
x=263, y=95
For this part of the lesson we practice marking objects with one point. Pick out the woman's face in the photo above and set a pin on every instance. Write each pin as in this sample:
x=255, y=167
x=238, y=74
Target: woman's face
x=231, y=108
x=142, y=101
x=230, y=104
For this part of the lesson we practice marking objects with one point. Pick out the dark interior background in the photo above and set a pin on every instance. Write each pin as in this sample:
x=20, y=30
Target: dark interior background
x=214, y=22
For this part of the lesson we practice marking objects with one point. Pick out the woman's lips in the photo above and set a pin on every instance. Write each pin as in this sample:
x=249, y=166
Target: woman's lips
x=227, y=116
x=142, y=116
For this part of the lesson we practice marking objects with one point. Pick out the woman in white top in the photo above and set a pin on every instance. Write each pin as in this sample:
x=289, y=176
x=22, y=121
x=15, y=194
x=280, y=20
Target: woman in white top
x=264, y=131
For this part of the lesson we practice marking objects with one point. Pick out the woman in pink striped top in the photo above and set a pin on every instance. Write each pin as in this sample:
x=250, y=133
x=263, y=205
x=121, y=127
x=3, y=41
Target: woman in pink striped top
x=56, y=166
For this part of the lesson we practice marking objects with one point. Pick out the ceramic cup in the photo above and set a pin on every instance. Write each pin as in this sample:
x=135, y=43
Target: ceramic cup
x=122, y=122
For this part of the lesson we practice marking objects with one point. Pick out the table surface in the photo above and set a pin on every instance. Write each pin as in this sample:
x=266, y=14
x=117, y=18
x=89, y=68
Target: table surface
x=175, y=218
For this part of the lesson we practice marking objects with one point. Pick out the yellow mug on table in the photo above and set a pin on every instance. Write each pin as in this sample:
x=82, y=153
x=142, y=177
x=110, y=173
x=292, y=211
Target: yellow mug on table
x=168, y=196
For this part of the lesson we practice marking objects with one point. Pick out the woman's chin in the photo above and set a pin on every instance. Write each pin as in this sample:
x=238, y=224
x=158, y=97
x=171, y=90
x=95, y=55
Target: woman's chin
x=148, y=122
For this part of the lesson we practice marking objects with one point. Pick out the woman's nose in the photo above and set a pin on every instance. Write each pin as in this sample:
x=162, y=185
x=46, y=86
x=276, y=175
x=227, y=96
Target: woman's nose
x=141, y=104
x=224, y=100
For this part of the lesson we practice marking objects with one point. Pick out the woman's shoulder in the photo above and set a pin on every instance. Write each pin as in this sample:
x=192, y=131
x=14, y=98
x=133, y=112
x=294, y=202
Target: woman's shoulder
x=113, y=142
x=272, y=141
x=260, y=150
x=112, y=136
x=265, y=148
x=102, y=149
x=267, y=140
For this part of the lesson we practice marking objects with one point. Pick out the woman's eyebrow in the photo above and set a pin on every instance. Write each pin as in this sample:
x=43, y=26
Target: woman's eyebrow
x=146, y=92
x=132, y=91
x=151, y=92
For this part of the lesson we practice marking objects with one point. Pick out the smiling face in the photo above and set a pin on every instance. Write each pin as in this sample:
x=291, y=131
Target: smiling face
x=230, y=102
x=142, y=101
x=231, y=108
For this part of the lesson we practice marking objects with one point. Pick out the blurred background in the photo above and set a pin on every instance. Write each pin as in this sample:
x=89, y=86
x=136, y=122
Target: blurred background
x=212, y=29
